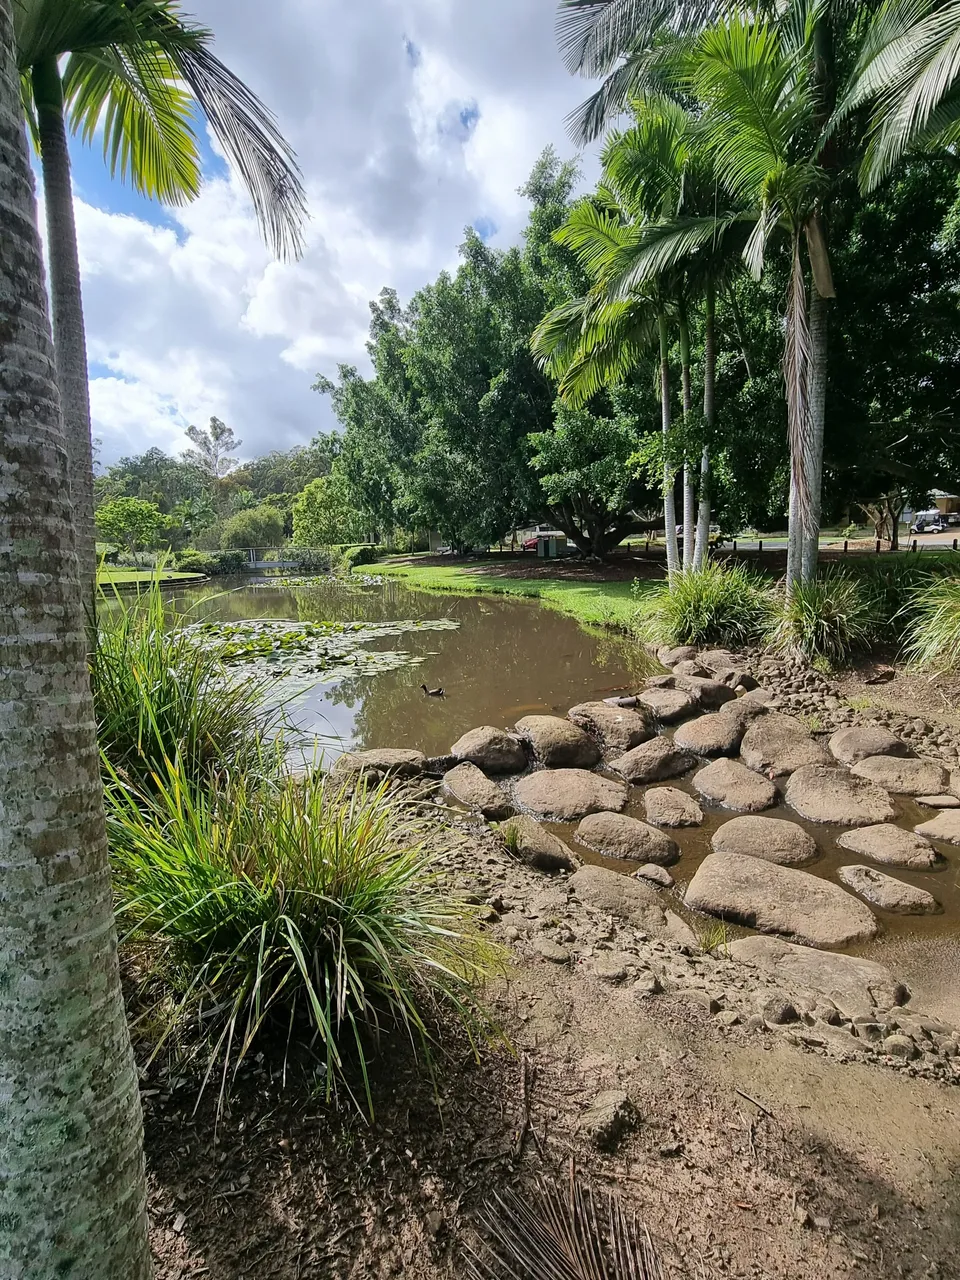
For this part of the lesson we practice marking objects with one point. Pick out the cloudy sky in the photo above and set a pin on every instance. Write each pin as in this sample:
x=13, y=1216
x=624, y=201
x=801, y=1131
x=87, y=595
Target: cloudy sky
x=411, y=119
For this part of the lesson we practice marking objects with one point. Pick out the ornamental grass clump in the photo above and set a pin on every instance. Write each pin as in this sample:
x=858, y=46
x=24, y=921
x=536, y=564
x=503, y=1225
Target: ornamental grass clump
x=291, y=911
x=831, y=618
x=718, y=604
x=932, y=639
x=160, y=695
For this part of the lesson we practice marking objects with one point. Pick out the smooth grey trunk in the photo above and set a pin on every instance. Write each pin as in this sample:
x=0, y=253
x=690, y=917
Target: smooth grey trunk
x=817, y=399
x=689, y=496
x=796, y=367
x=72, y=1189
x=702, y=547
x=669, y=505
x=70, y=341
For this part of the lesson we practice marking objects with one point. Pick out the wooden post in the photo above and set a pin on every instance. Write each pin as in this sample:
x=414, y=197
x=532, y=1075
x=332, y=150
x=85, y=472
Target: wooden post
x=878, y=546
x=846, y=545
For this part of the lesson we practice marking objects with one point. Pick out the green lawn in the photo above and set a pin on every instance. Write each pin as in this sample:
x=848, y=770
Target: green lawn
x=109, y=575
x=608, y=604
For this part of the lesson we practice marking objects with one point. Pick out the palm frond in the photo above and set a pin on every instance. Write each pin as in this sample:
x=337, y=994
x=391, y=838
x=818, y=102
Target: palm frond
x=663, y=247
x=557, y=337
x=594, y=34
x=651, y=70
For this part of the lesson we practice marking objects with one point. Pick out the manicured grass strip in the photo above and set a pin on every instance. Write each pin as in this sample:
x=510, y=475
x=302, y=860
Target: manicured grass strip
x=108, y=574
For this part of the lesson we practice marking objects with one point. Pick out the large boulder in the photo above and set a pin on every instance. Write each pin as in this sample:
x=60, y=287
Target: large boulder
x=568, y=794
x=742, y=712
x=617, y=836
x=855, y=986
x=616, y=729
x=653, y=761
x=886, y=892
x=712, y=735
x=733, y=786
x=776, y=745
x=670, y=655
x=471, y=786
x=780, y=900
x=620, y=896
x=668, y=705
x=823, y=794
x=490, y=749
x=903, y=777
x=671, y=807
x=945, y=826
x=716, y=659
x=379, y=763
x=537, y=847
x=857, y=741
x=710, y=694
x=558, y=744
x=774, y=839
x=891, y=845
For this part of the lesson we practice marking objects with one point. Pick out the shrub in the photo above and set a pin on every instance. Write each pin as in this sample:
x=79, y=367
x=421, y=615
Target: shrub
x=354, y=557
x=893, y=583
x=296, y=907
x=718, y=604
x=158, y=695
x=932, y=639
x=260, y=528
x=212, y=563
x=832, y=618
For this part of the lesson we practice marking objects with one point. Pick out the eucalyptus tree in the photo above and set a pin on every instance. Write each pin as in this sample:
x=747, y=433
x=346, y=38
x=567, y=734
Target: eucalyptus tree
x=138, y=72
x=72, y=1185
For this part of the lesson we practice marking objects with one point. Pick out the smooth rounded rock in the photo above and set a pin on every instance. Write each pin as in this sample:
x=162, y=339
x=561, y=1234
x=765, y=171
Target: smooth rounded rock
x=712, y=735
x=668, y=705
x=945, y=826
x=944, y=801
x=858, y=741
x=568, y=794
x=471, y=786
x=716, y=659
x=379, y=763
x=653, y=761
x=772, y=899
x=891, y=845
x=617, y=836
x=733, y=786
x=774, y=839
x=616, y=729
x=655, y=874
x=537, y=847
x=670, y=655
x=903, y=777
x=671, y=807
x=619, y=896
x=491, y=749
x=557, y=743
x=743, y=711
x=886, y=892
x=776, y=745
x=822, y=793
x=690, y=668
x=710, y=694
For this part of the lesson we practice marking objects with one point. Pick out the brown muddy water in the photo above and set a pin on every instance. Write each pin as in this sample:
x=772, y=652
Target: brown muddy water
x=513, y=657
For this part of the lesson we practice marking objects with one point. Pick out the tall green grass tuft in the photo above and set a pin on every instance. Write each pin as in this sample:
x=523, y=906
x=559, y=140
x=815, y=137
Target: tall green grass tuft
x=894, y=583
x=932, y=640
x=719, y=604
x=158, y=695
x=291, y=907
x=831, y=618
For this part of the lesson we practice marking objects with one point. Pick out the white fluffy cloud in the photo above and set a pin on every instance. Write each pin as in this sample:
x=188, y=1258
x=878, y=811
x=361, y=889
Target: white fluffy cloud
x=411, y=120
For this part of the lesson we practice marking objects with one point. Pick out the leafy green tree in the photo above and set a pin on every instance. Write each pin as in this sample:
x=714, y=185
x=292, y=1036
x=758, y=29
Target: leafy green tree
x=324, y=514
x=258, y=529
x=288, y=471
x=130, y=523
x=154, y=476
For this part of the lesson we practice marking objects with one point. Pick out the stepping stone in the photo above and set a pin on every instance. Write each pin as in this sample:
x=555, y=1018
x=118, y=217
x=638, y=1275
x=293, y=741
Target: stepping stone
x=857, y=987
x=380, y=763
x=775, y=899
x=735, y=677
x=774, y=839
x=776, y=745
x=716, y=659
x=668, y=705
x=858, y=741
x=690, y=668
x=670, y=807
x=568, y=794
x=537, y=847
x=712, y=735
x=472, y=787
x=903, y=777
x=620, y=896
x=732, y=785
x=557, y=743
x=945, y=826
x=492, y=750
x=710, y=694
x=653, y=761
x=616, y=729
x=655, y=874
x=823, y=794
x=670, y=655
x=891, y=845
x=617, y=836
x=743, y=711
x=945, y=801
x=886, y=892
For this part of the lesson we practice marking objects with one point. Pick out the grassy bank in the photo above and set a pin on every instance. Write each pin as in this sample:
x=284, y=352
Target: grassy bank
x=108, y=575
x=605, y=604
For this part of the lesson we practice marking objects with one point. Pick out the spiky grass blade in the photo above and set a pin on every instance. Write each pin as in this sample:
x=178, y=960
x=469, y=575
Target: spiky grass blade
x=933, y=631
x=718, y=604
x=832, y=617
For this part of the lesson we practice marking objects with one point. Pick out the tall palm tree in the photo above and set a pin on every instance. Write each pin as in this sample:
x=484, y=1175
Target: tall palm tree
x=137, y=69
x=72, y=1188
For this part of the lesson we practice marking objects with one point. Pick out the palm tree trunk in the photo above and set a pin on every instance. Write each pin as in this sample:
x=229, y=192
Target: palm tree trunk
x=72, y=1190
x=709, y=415
x=813, y=463
x=796, y=365
x=67, y=305
x=669, y=505
x=689, y=500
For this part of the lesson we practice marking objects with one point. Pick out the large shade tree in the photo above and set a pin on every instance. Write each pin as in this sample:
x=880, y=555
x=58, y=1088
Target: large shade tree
x=72, y=1188
x=139, y=72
